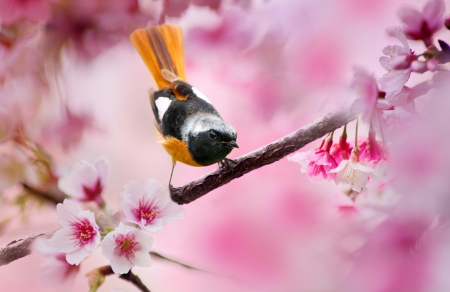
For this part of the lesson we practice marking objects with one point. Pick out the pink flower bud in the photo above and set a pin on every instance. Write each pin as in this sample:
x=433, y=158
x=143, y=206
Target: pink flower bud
x=418, y=66
x=432, y=65
x=447, y=22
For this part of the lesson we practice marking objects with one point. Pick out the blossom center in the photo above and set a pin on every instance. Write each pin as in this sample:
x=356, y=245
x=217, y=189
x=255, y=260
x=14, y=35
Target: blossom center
x=146, y=212
x=126, y=246
x=351, y=175
x=93, y=193
x=83, y=232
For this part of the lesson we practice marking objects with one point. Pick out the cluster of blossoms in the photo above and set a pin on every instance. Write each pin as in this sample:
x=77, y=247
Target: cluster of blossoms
x=344, y=162
x=386, y=105
x=146, y=209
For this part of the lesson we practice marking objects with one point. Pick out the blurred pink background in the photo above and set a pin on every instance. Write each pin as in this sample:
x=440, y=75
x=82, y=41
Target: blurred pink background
x=269, y=70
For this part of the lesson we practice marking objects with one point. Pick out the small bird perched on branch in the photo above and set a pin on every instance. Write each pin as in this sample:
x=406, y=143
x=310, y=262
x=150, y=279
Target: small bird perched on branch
x=188, y=126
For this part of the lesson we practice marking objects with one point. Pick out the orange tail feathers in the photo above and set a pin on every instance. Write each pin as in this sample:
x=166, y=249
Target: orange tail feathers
x=161, y=47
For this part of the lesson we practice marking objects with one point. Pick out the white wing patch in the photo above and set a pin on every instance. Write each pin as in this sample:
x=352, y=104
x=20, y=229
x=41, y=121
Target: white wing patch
x=162, y=104
x=199, y=94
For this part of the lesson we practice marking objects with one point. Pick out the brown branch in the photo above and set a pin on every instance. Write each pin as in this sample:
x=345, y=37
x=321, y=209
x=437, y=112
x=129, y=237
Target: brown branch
x=262, y=156
x=40, y=194
x=16, y=249
x=130, y=277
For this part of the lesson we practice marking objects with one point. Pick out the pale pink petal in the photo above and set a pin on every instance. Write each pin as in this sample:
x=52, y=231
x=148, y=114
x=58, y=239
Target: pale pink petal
x=108, y=245
x=102, y=170
x=158, y=191
x=121, y=265
x=61, y=240
x=411, y=18
x=395, y=80
x=156, y=225
x=44, y=247
x=80, y=234
x=398, y=98
x=58, y=274
x=134, y=191
x=385, y=63
x=400, y=35
x=172, y=212
x=340, y=167
x=142, y=259
x=126, y=247
x=67, y=212
x=382, y=173
x=149, y=205
x=145, y=240
x=85, y=182
x=393, y=51
x=81, y=174
x=433, y=12
x=361, y=167
x=420, y=89
x=399, y=118
x=301, y=158
x=75, y=257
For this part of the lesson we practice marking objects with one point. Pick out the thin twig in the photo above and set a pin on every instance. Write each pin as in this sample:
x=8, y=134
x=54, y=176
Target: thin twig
x=130, y=277
x=262, y=156
x=244, y=164
x=40, y=194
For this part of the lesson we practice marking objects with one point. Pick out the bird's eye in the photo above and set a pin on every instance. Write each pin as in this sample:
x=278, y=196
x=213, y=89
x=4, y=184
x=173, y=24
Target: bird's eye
x=212, y=135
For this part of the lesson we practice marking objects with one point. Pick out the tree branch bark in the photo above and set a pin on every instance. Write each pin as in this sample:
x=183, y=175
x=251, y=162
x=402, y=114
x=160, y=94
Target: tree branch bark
x=17, y=249
x=244, y=164
x=262, y=156
x=130, y=277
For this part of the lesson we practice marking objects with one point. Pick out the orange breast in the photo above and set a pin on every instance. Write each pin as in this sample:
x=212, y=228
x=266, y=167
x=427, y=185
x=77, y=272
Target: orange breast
x=177, y=149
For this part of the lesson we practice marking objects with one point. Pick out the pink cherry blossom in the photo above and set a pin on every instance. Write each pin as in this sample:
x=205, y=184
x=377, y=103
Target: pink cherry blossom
x=80, y=233
x=317, y=163
x=366, y=89
x=55, y=271
x=150, y=205
x=34, y=10
x=382, y=171
x=341, y=151
x=406, y=96
x=352, y=172
x=422, y=25
x=85, y=182
x=396, y=57
x=127, y=247
x=370, y=149
x=399, y=119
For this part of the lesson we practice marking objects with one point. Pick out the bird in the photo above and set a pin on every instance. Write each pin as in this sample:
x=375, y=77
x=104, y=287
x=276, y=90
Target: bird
x=188, y=126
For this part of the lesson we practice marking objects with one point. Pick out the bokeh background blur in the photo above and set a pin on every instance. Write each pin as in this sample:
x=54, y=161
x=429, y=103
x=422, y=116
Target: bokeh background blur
x=269, y=67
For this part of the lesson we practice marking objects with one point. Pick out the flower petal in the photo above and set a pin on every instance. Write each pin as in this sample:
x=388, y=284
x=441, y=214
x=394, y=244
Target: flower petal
x=121, y=265
x=142, y=259
x=62, y=240
x=75, y=257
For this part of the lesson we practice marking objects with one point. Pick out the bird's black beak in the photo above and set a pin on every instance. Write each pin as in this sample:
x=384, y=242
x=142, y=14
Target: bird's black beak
x=232, y=144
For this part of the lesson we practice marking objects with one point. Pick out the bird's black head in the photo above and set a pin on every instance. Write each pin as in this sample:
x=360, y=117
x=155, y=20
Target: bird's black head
x=211, y=142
